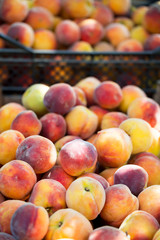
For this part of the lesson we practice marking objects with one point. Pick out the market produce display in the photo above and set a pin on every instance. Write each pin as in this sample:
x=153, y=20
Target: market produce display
x=80, y=162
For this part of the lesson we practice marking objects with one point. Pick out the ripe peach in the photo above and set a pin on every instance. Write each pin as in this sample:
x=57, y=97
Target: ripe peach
x=152, y=42
x=68, y=223
x=100, y=112
x=116, y=33
x=60, y=98
x=6, y=236
x=138, y=13
x=108, y=95
x=152, y=24
x=13, y=11
x=54, y=6
x=7, y=209
x=114, y=147
x=53, y=131
x=57, y=173
x=103, y=46
x=126, y=21
x=92, y=139
x=81, y=122
x=140, y=34
x=80, y=96
x=108, y=174
x=112, y=119
x=67, y=32
x=130, y=45
x=27, y=123
x=120, y=202
x=140, y=225
x=22, y=32
x=81, y=46
x=77, y=157
x=87, y=196
x=44, y=39
x=16, y=175
x=120, y=7
x=29, y=222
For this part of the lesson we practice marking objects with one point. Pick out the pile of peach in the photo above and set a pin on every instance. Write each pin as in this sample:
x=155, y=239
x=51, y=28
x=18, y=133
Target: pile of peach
x=81, y=163
x=81, y=25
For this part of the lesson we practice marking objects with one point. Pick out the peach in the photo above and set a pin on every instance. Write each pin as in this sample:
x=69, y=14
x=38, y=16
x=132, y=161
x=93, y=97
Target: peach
x=140, y=34
x=140, y=133
x=60, y=98
x=116, y=33
x=145, y=108
x=67, y=32
x=88, y=85
x=68, y=223
x=81, y=46
x=27, y=123
x=133, y=176
x=149, y=201
x=29, y=222
x=108, y=174
x=44, y=39
x=129, y=94
x=87, y=196
x=77, y=157
x=22, y=32
x=152, y=42
x=152, y=24
x=120, y=7
x=53, y=192
x=80, y=96
x=138, y=13
x=57, y=173
x=156, y=235
x=92, y=139
x=91, y=31
x=126, y=21
x=6, y=236
x=53, y=126
x=130, y=45
x=102, y=13
x=103, y=46
x=120, y=202
x=108, y=232
x=9, y=142
x=54, y=6
x=39, y=152
x=108, y=95
x=81, y=122
x=13, y=11
x=112, y=119
x=7, y=209
x=140, y=225
x=100, y=112
x=155, y=146
x=16, y=175
x=39, y=18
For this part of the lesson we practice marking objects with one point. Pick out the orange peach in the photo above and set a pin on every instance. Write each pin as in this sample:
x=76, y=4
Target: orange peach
x=151, y=20
x=39, y=152
x=54, y=6
x=16, y=175
x=81, y=46
x=112, y=119
x=80, y=96
x=77, y=157
x=7, y=209
x=29, y=222
x=140, y=34
x=68, y=223
x=138, y=13
x=9, y=142
x=44, y=39
x=87, y=196
x=126, y=21
x=140, y=225
x=120, y=202
x=152, y=42
x=108, y=174
x=27, y=123
x=92, y=139
x=100, y=112
x=130, y=45
x=120, y=7
x=103, y=46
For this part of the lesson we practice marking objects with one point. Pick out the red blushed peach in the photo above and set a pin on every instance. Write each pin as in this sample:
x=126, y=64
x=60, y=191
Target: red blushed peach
x=27, y=123
x=108, y=174
x=53, y=126
x=2, y=198
x=54, y=6
x=88, y=85
x=140, y=225
x=120, y=202
x=108, y=95
x=7, y=209
x=39, y=18
x=68, y=223
x=6, y=236
x=9, y=142
x=87, y=196
x=7, y=114
x=114, y=147
x=91, y=31
x=44, y=39
x=81, y=122
x=29, y=222
x=146, y=109
x=103, y=46
x=60, y=98
x=80, y=96
x=100, y=112
x=57, y=173
x=152, y=24
x=53, y=192
x=67, y=32
x=22, y=32
x=116, y=33
x=112, y=119
x=120, y=7
x=77, y=157
x=16, y=175
x=152, y=42
x=130, y=45
x=39, y=152
x=13, y=11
